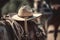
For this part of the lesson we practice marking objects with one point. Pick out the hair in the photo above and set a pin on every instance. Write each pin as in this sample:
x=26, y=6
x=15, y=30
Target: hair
x=54, y=1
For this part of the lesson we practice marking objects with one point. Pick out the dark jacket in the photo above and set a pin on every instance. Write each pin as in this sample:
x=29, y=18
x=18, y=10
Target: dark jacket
x=14, y=32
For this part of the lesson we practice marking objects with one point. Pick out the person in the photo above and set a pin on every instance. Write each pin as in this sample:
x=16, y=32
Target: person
x=21, y=26
x=24, y=17
x=54, y=22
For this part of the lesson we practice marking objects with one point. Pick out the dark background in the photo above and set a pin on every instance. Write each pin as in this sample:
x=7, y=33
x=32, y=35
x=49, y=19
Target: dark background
x=2, y=3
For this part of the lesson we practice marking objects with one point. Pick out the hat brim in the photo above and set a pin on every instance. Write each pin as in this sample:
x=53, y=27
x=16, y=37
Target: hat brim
x=16, y=17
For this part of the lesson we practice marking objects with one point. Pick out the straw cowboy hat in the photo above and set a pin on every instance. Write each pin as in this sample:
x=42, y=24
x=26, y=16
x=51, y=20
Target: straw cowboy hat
x=25, y=12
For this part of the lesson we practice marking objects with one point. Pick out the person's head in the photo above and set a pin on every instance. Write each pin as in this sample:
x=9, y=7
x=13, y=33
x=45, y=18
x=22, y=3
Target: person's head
x=55, y=5
x=25, y=12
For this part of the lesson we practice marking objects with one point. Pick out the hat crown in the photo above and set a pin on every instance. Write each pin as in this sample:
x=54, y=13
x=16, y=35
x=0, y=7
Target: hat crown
x=25, y=11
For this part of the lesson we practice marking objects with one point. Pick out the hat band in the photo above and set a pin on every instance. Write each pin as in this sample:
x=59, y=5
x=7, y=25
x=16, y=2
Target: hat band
x=25, y=16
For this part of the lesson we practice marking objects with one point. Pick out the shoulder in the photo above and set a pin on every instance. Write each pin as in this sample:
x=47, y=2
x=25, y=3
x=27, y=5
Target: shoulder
x=2, y=23
x=5, y=24
x=5, y=30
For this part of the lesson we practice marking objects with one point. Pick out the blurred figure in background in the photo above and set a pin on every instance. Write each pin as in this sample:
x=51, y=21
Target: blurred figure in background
x=12, y=6
x=53, y=32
